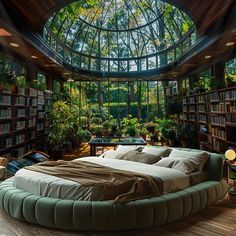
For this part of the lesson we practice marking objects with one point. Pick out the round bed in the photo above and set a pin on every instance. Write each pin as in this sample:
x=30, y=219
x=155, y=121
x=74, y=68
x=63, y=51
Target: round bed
x=105, y=215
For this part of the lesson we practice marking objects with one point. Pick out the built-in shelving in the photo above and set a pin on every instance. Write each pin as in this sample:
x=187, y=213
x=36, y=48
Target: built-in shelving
x=215, y=114
x=22, y=120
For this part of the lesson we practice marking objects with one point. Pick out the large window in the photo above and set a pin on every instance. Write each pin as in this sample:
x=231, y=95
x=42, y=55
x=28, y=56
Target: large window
x=119, y=36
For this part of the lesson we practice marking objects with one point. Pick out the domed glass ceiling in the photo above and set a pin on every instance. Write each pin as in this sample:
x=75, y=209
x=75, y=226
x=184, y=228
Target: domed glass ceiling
x=119, y=35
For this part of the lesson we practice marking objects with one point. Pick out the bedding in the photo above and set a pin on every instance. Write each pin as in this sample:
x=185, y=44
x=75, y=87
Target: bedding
x=56, y=187
x=116, y=185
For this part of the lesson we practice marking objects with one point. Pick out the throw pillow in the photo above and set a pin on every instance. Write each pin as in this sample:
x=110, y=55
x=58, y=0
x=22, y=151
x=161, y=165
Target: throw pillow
x=111, y=154
x=134, y=155
x=199, y=159
x=159, y=151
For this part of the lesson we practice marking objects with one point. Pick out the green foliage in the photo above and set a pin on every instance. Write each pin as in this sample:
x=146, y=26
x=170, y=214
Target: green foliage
x=130, y=126
x=165, y=128
x=61, y=124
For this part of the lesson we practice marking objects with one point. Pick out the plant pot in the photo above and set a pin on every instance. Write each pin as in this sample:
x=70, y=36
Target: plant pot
x=57, y=154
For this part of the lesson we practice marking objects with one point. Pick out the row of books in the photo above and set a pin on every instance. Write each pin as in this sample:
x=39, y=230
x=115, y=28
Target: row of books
x=231, y=107
x=5, y=100
x=218, y=120
x=231, y=117
x=230, y=95
x=5, y=113
x=218, y=145
x=203, y=118
x=221, y=133
x=20, y=125
x=20, y=138
x=218, y=107
x=217, y=96
x=5, y=128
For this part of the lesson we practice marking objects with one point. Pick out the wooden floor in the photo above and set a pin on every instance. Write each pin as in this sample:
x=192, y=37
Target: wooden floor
x=212, y=221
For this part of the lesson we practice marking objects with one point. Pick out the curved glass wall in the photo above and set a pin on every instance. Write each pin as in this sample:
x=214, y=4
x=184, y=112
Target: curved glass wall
x=119, y=35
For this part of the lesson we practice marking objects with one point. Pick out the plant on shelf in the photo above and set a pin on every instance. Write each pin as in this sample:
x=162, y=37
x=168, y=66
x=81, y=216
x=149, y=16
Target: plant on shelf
x=60, y=127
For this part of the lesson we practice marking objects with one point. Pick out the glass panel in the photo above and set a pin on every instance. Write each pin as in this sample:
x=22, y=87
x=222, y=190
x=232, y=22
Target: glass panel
x=132, y=66
x=144, y=64
x=152, y=63
x=104, y=65
x=93, y=65
x=76, y=60
x=171, y=56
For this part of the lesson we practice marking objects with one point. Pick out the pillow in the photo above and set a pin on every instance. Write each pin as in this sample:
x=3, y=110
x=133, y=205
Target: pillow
x=126, y=148
x=111, y=154
x=184, y=165
x=159, y=151
x=134, y=155
x=199, y=159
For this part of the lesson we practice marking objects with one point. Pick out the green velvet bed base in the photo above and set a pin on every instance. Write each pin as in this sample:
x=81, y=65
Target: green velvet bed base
x=104, y=215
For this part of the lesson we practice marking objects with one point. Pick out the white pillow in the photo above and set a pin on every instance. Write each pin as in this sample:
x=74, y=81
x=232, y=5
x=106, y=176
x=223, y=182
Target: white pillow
x=111, y=154
x=159, y=151
x=182, y=164
x=126, y=148
x=198, y=158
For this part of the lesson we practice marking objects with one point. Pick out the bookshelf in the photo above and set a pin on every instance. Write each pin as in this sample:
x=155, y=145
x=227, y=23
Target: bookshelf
x=214, y=115
x=22, y=121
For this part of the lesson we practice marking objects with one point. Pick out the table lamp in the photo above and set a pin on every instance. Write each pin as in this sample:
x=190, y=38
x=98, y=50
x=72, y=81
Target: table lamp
x=230, y=156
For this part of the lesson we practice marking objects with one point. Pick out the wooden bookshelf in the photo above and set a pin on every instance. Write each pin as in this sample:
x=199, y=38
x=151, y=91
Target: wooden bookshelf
x=22, y=121
x=214, y=112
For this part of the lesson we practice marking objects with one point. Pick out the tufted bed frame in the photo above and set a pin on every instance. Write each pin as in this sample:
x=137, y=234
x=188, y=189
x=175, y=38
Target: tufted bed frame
x=105, y=215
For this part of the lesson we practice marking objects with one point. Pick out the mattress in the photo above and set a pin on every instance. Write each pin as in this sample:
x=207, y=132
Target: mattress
x=55, y=187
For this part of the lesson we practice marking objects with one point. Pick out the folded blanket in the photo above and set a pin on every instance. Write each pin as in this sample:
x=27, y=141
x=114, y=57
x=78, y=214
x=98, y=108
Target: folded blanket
x=117, y=185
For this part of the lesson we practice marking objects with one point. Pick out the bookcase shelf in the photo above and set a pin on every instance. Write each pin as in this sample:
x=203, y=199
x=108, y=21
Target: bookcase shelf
x=22, y=120
x=216, y=115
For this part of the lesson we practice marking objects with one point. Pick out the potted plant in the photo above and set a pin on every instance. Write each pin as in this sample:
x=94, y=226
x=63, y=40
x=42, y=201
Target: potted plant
x=60, y=127
x=165, y=129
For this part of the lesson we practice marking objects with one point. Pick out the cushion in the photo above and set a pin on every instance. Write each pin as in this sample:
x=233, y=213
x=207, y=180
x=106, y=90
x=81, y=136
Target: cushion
x=135, y=155
x=198, y=158
x=184, y=165
x=159, y=151
x=111, y=154
x=126, y=148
